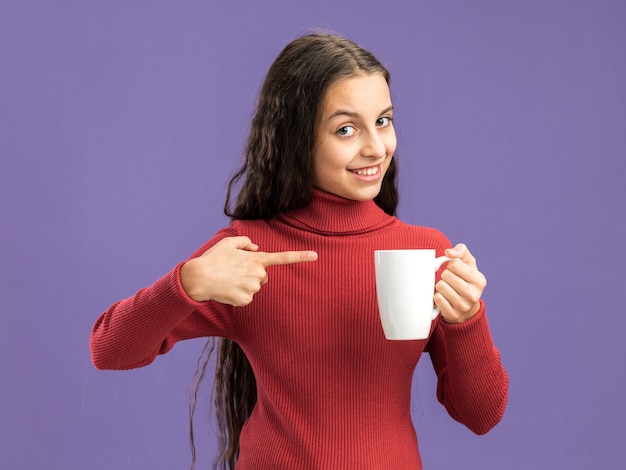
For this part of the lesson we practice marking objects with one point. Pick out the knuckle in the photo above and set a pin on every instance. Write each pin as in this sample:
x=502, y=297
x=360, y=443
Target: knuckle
x=479, y=283
x=243, y=300
x=253, y=286
x=463, y=307
x=474, y=298
x=237, y=301
x=453, y=266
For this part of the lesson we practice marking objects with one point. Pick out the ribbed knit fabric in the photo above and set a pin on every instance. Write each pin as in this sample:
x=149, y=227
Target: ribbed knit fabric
x=333, y=393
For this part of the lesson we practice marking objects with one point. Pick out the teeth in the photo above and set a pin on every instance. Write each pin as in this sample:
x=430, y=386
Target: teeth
x=367, y=171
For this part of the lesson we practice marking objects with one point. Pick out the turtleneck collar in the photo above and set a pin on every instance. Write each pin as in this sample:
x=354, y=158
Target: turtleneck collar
x=329, y=214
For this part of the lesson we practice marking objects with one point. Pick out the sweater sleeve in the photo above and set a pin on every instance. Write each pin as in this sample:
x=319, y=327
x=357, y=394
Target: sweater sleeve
x=132, y=332
x=472, y=383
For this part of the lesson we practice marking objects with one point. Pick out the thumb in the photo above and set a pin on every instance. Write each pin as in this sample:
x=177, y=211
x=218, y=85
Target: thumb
x=457, y=251
x=244, y=243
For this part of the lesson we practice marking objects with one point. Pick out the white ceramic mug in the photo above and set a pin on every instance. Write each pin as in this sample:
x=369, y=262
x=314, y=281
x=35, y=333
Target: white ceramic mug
x=405, y=286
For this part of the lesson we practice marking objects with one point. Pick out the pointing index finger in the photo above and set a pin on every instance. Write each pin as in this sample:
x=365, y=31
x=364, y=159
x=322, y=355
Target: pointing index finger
x=287, y=257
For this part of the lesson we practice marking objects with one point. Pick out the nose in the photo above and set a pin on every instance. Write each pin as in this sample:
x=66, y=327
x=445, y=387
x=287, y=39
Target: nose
x=374, y=146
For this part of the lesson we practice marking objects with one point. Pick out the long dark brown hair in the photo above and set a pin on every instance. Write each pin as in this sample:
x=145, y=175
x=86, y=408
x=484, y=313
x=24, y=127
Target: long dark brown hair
x=276, y=176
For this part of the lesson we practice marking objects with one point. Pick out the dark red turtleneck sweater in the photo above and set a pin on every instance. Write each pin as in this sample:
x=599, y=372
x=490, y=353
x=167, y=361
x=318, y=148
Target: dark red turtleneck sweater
x=333, y=393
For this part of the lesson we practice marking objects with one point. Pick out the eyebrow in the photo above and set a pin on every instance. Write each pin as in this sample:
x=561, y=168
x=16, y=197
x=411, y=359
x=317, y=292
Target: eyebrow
x=342, y=112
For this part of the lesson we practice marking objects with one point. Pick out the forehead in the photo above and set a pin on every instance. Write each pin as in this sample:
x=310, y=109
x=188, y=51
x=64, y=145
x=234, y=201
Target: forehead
x=358, y=93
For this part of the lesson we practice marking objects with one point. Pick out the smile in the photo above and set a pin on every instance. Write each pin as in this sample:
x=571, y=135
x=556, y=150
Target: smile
x=370, y=171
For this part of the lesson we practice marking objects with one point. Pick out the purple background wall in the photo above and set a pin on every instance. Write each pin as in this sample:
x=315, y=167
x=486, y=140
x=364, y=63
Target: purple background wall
x=121, y=121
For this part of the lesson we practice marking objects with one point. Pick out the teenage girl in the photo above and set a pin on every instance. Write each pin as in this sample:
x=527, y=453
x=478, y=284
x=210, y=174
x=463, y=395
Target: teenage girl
x=305, y=377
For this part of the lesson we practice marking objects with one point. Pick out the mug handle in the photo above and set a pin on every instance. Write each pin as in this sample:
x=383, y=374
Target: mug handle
x=438, y=262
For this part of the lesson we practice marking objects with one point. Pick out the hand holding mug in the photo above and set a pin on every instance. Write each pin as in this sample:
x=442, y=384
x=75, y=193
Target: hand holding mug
x=233, y=270
x=460, y=288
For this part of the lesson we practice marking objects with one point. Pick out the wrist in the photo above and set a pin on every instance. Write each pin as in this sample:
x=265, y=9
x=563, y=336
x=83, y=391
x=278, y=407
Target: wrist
x=188, y=277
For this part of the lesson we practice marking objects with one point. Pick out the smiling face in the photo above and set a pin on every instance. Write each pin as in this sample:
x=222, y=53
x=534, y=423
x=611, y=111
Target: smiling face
x=355, y=139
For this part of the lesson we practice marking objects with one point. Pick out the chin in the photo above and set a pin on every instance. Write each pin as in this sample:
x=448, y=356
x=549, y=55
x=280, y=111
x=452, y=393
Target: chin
x=366, y=195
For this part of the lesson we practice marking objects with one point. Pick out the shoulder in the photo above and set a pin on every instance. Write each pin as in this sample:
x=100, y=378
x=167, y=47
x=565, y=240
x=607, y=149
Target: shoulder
x=421, y=236
x=237, y=228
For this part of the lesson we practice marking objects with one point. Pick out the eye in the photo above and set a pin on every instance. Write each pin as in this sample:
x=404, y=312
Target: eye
x=383, y=121
x=346, y=131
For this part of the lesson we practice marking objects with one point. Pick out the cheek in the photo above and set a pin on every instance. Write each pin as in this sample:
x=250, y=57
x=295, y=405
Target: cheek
x=316, y=173
x=392, y=143
x=387, y=164
x=330, y=158
x=323, y=167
